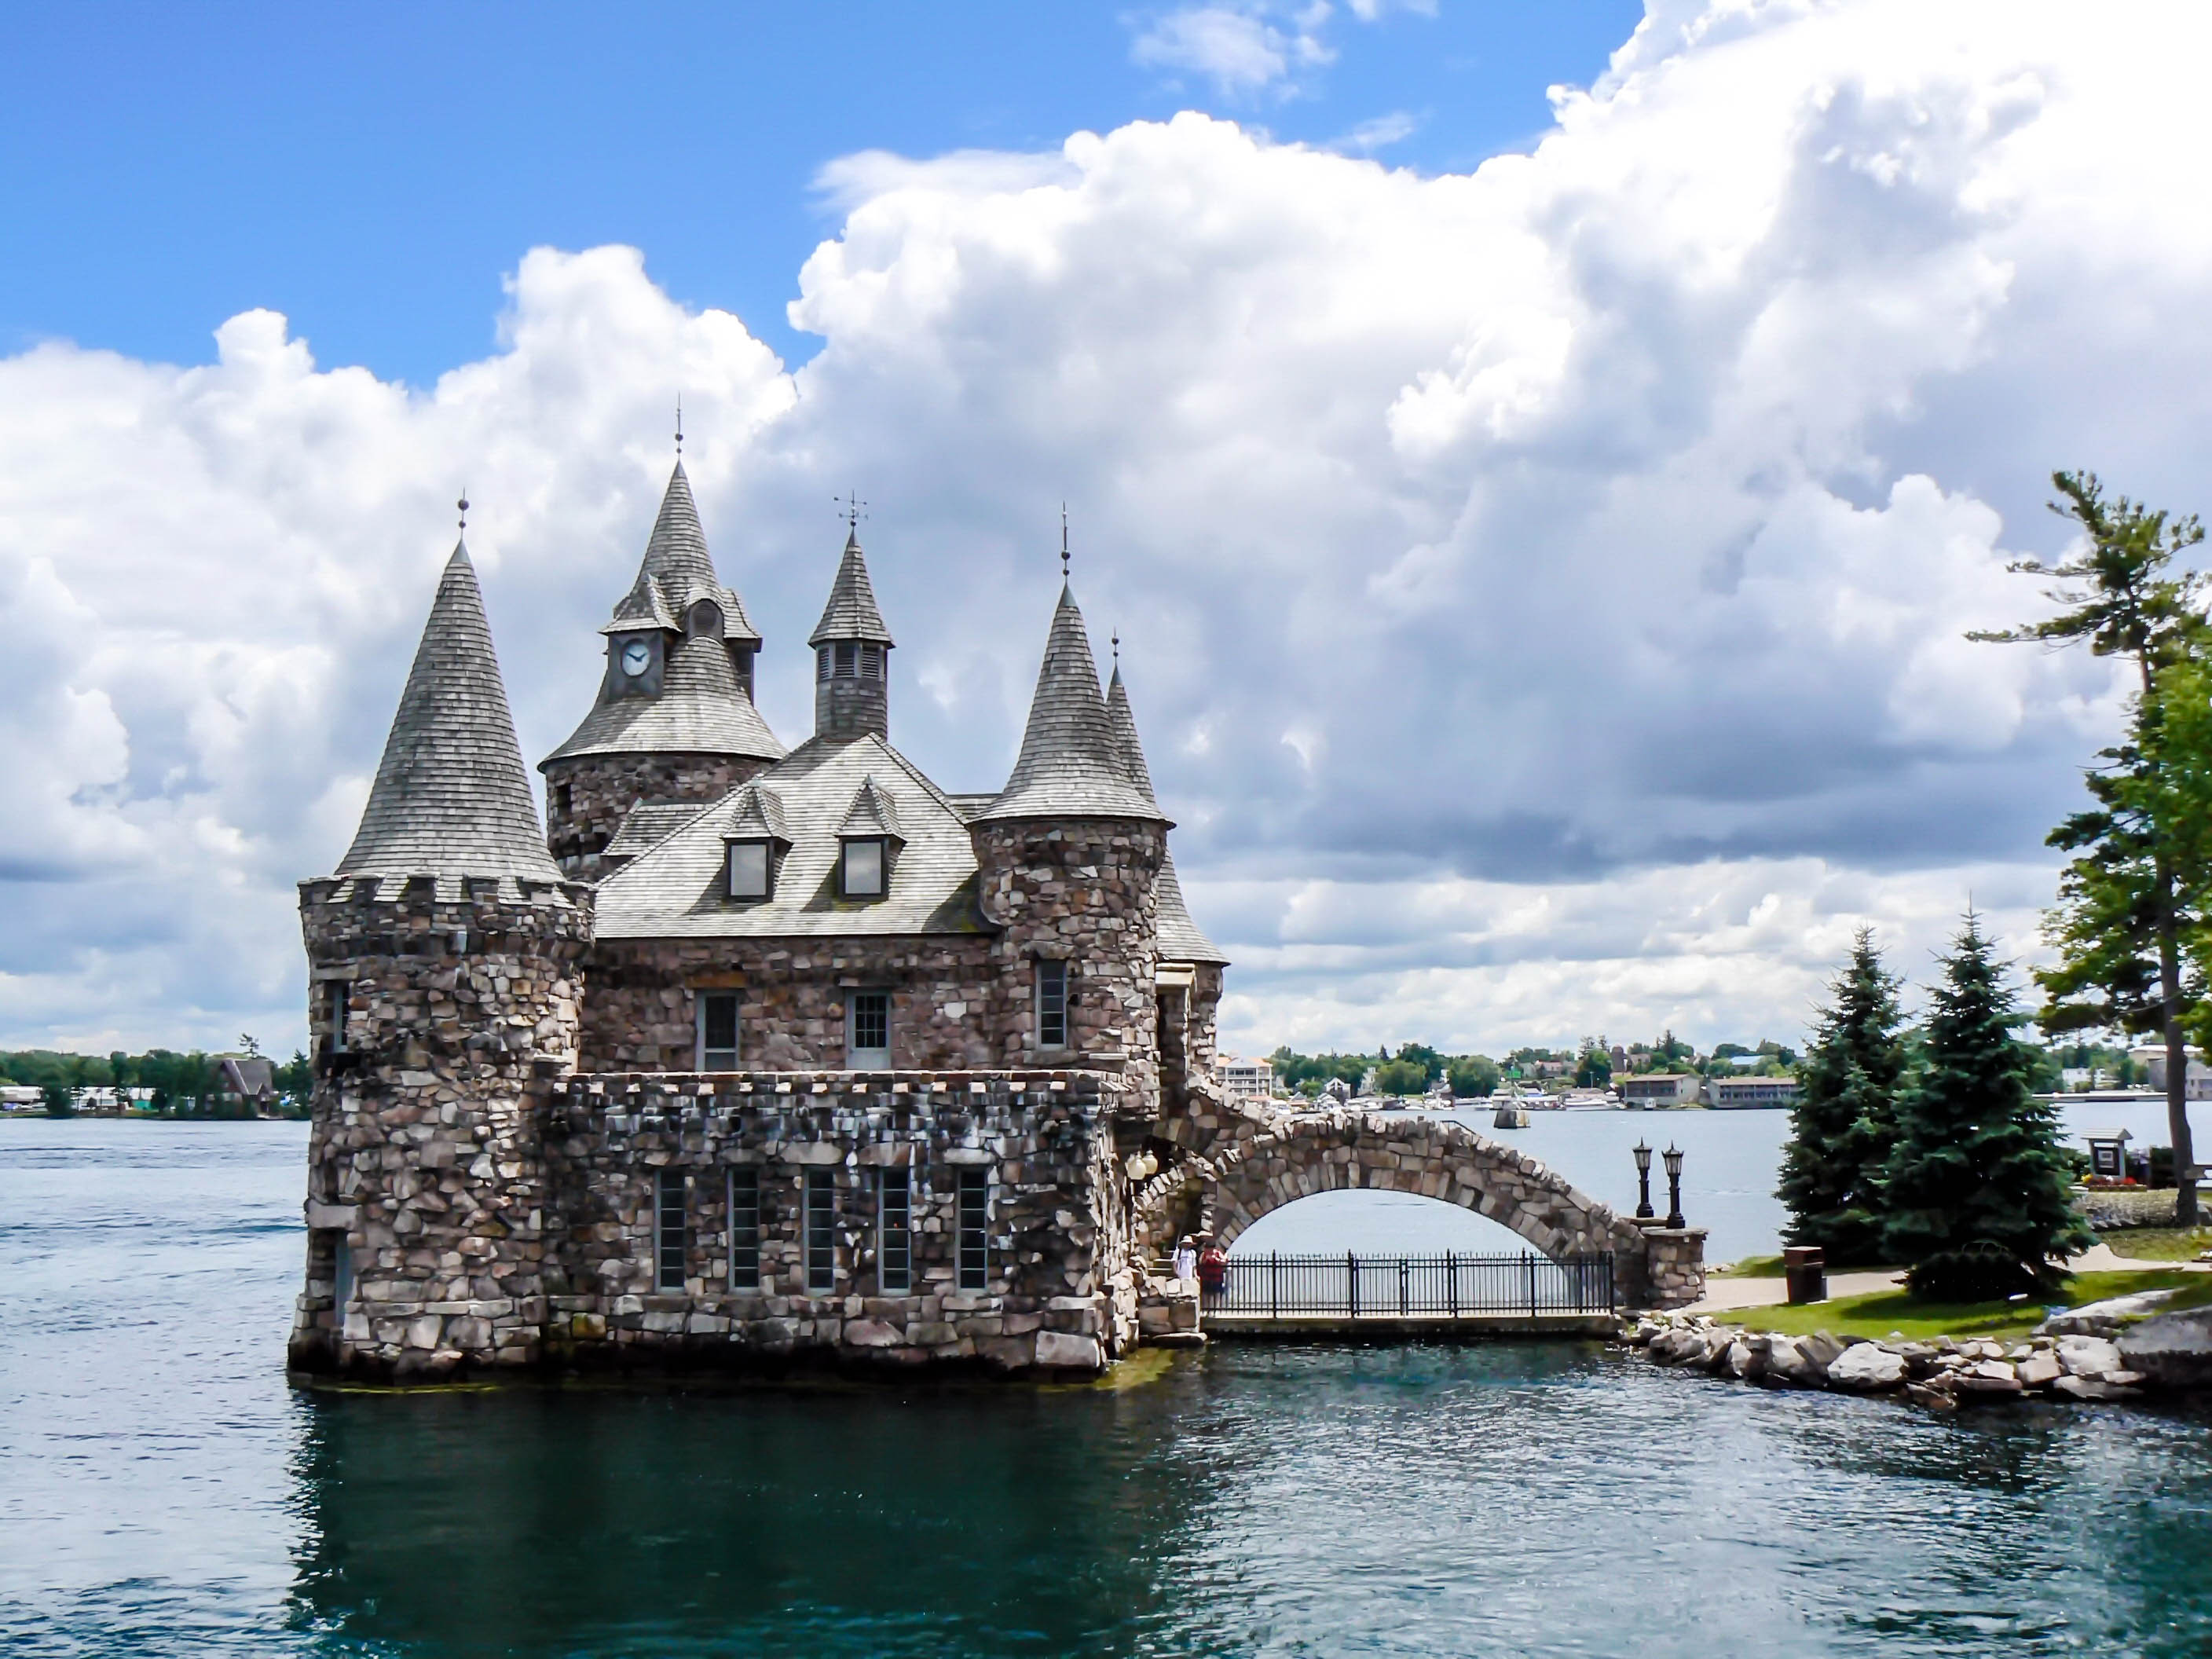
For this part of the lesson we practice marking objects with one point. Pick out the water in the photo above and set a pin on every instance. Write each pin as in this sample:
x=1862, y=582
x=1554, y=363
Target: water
x=163, y=1491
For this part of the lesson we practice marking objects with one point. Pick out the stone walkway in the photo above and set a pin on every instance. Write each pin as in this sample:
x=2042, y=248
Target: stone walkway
x=1726, y=1293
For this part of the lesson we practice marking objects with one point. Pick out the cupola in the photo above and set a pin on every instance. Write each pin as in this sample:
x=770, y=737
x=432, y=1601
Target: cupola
x=852, y=652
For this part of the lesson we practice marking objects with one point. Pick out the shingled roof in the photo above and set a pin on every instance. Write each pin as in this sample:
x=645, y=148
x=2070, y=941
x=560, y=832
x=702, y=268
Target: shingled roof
x=451, y=796
x=1180, y=939
x=677, y=563
x=701, y=710
x=680, y=889
x=1071, y=764
x=851, y=613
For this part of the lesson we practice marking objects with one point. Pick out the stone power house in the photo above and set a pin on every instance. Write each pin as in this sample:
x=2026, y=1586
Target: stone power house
x=757, y=1055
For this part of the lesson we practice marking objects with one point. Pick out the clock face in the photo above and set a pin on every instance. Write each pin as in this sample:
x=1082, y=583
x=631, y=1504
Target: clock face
x=635, y=659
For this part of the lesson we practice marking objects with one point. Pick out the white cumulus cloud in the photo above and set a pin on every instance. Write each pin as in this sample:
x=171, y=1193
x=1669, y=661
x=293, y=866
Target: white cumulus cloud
x=1542, y=589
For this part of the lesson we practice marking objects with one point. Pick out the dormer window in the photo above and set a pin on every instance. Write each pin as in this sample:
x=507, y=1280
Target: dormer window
x=754, y=841
x=867, y=840
x=752, y=869
x=860, y=869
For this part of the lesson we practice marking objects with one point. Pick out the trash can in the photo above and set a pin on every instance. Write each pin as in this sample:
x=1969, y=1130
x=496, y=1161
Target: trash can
x=1805, y=1267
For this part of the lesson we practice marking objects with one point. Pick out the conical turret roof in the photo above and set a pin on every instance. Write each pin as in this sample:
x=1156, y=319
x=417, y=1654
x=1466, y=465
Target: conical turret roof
x=681, y=572
x=1071, y=764
x=1180, y=939
x=851, y=613
x=450, y=797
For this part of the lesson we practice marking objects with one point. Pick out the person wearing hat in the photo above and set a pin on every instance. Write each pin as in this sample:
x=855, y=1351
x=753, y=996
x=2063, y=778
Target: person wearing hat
x=1185, y=1260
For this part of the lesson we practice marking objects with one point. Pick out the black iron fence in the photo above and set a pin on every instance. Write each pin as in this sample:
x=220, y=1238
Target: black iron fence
x=1406, y=1286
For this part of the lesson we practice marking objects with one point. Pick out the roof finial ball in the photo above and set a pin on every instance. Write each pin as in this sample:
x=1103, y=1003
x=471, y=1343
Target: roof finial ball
x=464, y=505
x=679, y=426
x=1063, y=543
x=850, y=505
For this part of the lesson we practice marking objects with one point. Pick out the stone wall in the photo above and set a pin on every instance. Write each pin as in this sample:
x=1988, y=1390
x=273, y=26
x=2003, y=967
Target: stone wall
x=1674, y=1266
x=1084, y=891
x=587, y=798
x=427, y=1191
x=1052, y=1300
x=2107, y=1207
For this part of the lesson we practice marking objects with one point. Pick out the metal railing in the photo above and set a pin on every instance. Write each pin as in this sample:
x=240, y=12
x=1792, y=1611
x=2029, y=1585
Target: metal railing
x=1353, y=1286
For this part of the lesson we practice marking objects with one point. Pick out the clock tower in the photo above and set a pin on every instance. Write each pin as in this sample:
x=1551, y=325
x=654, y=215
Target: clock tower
x=674, y=721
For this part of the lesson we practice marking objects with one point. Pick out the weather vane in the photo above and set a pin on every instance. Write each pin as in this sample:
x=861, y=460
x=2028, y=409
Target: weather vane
x=1063, y=543
x=464, y=505
x=679, y=426
x=851, y=503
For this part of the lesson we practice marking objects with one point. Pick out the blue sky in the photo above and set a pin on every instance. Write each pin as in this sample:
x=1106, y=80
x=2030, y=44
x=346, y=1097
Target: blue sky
x=1543, y=536
x=371, y=171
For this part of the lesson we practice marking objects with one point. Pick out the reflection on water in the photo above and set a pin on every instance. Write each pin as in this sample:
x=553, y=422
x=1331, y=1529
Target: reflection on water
x=163, y=1490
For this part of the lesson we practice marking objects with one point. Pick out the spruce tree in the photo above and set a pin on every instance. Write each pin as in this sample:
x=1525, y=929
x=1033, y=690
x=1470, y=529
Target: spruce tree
x=1976, y=1192
x=1844, y=1124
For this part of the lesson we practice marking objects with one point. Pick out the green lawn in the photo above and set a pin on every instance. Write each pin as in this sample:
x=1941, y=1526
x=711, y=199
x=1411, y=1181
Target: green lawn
x=1883, y=1311
x=1752, y=1266
x=2158, y=1243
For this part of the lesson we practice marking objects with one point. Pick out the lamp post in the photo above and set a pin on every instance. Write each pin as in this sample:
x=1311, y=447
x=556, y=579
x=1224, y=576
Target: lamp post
x=1673, y=1157
x=1643, y=1211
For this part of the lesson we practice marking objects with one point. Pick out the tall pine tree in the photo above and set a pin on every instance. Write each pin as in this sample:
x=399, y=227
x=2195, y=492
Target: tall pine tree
x=1844, y=1124
x=1975, y=1194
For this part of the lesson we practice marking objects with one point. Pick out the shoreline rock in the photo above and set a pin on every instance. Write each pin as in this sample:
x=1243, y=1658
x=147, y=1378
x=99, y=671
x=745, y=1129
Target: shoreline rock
x=1940, y=1374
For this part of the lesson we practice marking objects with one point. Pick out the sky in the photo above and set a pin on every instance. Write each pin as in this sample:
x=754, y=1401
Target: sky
x=1542, y=461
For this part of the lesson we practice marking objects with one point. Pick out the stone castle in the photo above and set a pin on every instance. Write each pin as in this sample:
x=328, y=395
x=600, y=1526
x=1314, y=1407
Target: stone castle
x=761, y=1055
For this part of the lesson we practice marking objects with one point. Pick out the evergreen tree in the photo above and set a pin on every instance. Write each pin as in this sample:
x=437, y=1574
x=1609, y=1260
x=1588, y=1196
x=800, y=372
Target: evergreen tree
x=1844, y=1125
x=2135, y=890
x=1975, y=1195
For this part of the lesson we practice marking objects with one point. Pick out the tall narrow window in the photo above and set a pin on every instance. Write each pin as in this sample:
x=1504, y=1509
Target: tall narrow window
x=822, y=663
x=1052, y=1004
x=744, y=1229
x=871, y=662
x=868, y=1032
x=974, y=1221
x=848, y=660
x=821, y=1219
x=337, y=994
x=718, y=1030
x=895, y=1233
x=341, y=1271
x=668, y=1232
x=561, y=799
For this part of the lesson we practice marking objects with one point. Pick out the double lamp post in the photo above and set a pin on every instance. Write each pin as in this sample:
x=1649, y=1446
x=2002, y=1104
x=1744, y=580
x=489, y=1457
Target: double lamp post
x=1673, y=1157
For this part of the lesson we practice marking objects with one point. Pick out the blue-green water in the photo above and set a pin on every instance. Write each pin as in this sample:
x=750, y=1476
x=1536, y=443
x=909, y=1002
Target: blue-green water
x=163, y=1491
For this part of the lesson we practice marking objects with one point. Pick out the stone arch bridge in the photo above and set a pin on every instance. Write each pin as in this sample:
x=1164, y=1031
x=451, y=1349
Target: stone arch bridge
x=1259, y=1166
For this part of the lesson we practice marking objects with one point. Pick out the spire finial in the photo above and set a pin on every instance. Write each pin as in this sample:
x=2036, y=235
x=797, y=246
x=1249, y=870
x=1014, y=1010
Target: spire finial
x=1117, y=647
x=464, y=505
x=679, y=426
x=1063, y=543
x=851, y=504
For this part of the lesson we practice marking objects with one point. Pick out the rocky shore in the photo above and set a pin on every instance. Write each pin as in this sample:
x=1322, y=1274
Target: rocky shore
x=2113, y=1351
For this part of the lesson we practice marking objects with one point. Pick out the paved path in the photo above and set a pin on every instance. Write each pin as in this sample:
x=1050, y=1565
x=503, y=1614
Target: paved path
x=1720, y=1294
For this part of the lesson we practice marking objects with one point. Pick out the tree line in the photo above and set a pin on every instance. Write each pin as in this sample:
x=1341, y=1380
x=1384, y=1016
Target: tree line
x=183, y=1084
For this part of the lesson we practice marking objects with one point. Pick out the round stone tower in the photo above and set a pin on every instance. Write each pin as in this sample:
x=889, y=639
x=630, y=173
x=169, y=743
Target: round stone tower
x=444, y=961
x=1070, y=852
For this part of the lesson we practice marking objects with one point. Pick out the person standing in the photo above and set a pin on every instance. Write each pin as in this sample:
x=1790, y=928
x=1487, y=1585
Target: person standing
x=1185, y=1260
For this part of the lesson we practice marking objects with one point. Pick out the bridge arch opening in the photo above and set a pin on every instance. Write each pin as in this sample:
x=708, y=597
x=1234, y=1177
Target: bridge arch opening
x=1368, y=1221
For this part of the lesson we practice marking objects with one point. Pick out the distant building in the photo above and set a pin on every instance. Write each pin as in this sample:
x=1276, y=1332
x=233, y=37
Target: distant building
x=1728, y=1093
x=1247, y=1079
x=2152, y=1058
x=246, y=1078
x=1658, y=1089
